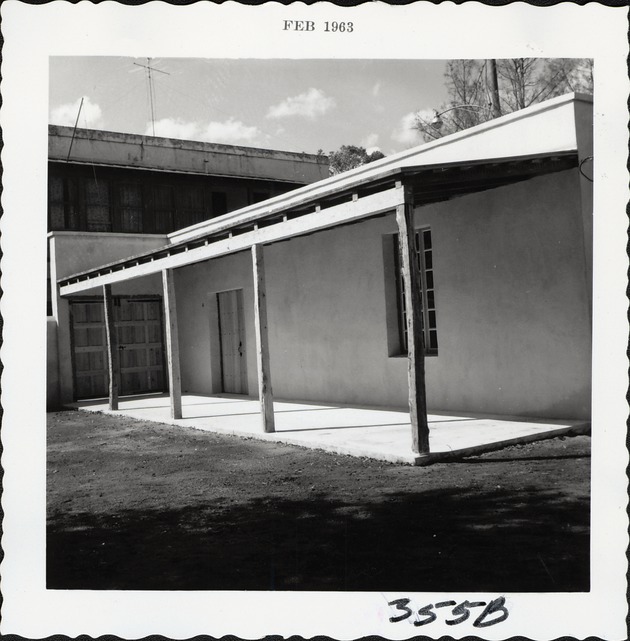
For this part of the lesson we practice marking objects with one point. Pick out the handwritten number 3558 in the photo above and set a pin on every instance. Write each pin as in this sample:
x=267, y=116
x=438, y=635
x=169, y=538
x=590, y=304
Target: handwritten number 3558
x=461, y=612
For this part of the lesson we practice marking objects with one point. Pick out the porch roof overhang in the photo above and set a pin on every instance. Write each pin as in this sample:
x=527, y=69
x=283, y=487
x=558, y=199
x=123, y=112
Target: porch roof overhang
x=309, y=210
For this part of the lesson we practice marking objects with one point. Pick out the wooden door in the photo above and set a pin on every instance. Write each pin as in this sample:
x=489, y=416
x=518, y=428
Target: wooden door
x=139, y=327
x=230, y=309
x=89, y=350
x=140, y=340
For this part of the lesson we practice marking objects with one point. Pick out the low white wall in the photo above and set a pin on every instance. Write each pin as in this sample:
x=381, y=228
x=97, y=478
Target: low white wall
x=74, y=252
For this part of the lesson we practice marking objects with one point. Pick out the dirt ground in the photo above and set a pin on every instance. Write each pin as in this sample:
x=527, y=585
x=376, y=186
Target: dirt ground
x=139, y=505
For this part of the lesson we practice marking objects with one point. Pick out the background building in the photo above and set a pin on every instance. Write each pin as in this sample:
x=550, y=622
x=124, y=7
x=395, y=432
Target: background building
x=112, y=194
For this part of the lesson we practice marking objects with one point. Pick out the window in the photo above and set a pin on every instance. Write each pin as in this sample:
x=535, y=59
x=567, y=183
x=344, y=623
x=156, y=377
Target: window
x=219, y=203
x=63, y=203
x=56, y=204
x=163, y=210
x=190, y=205
x=259, y=196
x=424, y=252
x=129, y=207
x=97, y=205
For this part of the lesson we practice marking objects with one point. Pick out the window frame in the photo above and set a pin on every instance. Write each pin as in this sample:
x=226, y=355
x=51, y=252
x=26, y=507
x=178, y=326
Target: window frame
x=426, y=278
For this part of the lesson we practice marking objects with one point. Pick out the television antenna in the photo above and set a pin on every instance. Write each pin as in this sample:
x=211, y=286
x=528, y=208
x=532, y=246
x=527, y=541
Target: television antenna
x=149, y=69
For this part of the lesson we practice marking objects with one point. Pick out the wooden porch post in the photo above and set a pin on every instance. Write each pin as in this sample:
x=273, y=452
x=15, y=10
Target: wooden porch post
x=262, y=340
x=172, y=344
x=413, y=305
x=112, y=347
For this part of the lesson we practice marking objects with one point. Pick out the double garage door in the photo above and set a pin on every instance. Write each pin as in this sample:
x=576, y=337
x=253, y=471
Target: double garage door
x=138, y=324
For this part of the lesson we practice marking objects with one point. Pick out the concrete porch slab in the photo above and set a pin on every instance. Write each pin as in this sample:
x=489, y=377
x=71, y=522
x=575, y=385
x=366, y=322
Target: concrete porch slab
x=382, y=434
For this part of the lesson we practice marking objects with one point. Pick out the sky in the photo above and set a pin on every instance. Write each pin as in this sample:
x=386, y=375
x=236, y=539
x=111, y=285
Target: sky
x=290, y=105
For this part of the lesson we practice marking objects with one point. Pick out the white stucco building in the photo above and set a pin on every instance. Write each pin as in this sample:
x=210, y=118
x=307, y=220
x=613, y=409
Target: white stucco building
x=303, y=296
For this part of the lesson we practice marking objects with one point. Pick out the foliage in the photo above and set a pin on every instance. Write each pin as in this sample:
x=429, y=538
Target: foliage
x=350, y=156
x=521, y=82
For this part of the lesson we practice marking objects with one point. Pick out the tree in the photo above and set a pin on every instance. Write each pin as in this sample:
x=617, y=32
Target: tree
x=576, y=73
x=350, y=156
x=521, y=82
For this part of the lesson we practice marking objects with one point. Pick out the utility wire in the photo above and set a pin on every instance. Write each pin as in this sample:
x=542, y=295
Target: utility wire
x=74, y=131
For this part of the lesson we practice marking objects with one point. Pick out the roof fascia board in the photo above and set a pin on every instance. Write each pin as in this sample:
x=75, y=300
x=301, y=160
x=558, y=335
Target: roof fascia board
x=508, y=160
x=381, y=169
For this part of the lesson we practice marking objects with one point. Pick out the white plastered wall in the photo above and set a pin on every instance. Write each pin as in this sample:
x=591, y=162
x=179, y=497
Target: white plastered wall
x=512, y=306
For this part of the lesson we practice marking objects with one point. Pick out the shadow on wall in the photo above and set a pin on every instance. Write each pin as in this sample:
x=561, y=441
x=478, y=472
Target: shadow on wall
x=440, y=540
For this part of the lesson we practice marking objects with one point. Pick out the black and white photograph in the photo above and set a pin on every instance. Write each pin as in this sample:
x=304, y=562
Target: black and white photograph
x=308, y=336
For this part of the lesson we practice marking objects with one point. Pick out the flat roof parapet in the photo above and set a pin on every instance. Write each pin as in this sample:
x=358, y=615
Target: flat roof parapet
x=116, y=149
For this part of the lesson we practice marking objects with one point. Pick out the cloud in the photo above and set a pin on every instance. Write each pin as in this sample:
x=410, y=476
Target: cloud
x=174, y=128
x=369, y=142
x=232, y=131
x=405, y=133
x=310, y=104
x=66, y=114
x=228, y=132
x=376, y=89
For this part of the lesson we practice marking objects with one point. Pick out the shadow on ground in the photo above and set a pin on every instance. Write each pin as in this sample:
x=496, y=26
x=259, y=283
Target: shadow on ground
x=438, y=540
